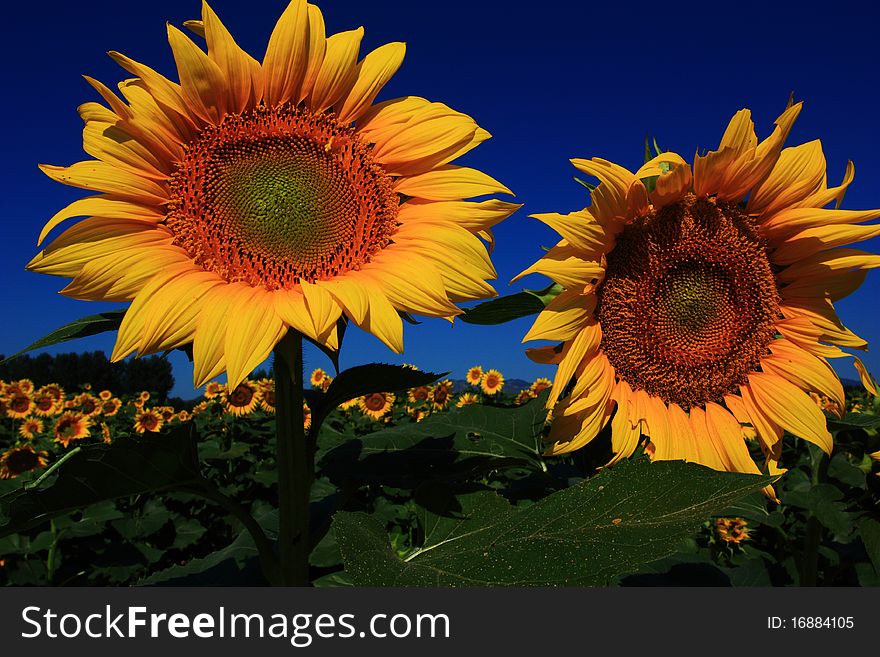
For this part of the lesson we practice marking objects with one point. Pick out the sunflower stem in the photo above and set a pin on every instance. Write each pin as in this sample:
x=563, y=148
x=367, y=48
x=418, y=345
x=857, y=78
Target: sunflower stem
x=295, y=466
x=813, y=538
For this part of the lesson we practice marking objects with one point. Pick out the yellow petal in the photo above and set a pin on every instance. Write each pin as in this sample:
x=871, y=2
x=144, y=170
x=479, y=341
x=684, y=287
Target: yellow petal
x=809, y=242
x=449, y=183
x=584, y=345
x=209, y=337
x=317, y=48
x=373, y=72
x=867, y=380
x=472, y=216
x=563, y=318
x=286, y=60
x=242, y=72
x=103, y=177
x=252, y=331
x=791, y=408
x=102, y=206
x=798, y=173
x=202, y=83
x=565, y=266
x=338, y=70
x=322, y=308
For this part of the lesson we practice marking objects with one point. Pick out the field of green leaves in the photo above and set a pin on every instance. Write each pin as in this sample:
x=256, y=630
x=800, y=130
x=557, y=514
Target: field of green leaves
x=439, y=483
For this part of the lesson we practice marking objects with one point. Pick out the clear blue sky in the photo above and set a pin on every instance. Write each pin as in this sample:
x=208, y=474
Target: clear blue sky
x=550, y=80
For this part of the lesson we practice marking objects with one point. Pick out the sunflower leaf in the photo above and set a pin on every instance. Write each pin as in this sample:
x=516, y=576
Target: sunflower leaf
x=629, y=515
x=513, y=306
x=102, y=472
x=81, y=328
x=854, y=421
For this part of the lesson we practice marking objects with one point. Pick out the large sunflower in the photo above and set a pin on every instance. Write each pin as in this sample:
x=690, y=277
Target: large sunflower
x=255, y=197
x=697, y=303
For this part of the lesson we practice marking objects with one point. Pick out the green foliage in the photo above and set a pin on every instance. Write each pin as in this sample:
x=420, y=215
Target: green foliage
x=511, y=307
x=628, y=515
x=81, y=328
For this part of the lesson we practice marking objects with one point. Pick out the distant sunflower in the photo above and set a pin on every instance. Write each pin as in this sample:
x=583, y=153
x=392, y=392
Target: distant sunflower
x=45, y=404
x=54, y=390
x=144, y=396
x=376, y=405
x=104, y=395
x=213, y=389
x=492, y=383
x=148, y=420
x=18, y=460
x=317, y=378
x=732, y=530
x=201, y=407
x=24, y=385
x=111, y=407
x=168, y=413
x=19, y=405
x=253, y=197
x=441, y=393
x=266, y=388
x=418, y=395
x=699, y=301
x=184, y=416
x=523, y=397
x=71, y=426
x=30, y=428
x=351, y=403
x=474, y=375
x=88, y=404
x=466, y=399
x=105, y=433
x=418, y=414
x=242, y=400
x=307, y=417
x=539, y=385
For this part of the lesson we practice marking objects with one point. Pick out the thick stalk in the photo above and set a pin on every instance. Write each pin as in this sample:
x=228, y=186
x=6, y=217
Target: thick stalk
x=295, y=467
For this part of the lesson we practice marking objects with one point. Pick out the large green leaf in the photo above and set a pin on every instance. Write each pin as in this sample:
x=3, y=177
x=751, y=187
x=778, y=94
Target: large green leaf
x=81, y=328
x=461, y=442
x=510, y=307
x=854, y=421
x=95, y=473
x=626, y=516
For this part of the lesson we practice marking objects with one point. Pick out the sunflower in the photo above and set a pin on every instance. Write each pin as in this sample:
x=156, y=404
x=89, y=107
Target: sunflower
x=242, y=400
x=30, y=428
x=523, y=397
x=213, y=389
x=111, y=407
x=266, y=393
x=18, y=460
x=441, y=394
x=45, y=404
x=144, y=396
x=88, y=404
x=418, y=414
x=105, y=395
x=148, y=420
x=466, y=399
x=697, y=302
x=419, y=394
x=376, y=405
x=19, y=405
x=253, y=197
x=307, y=417
x=539, y=385
x=492, y=383
x=201, y=407
x=54, y=390
x=71, y=426
x=317, y=378
x=184, y=416
x=351, y=403
x=24, y=385
x=474, y=375
x=732, y=530
x=168, y=413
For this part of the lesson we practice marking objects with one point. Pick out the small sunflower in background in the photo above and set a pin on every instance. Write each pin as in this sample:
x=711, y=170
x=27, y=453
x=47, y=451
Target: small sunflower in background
x=466, y=399
x=492, y=382
x=539, y=385
x=241, y=400
x=698, y=301
x=376, y=405
x=148, y=420
x=105, y=395
x=441, y=394
x=30, y=428
x=317, y=378
x=474, y=375
x=420, y=394
x=348, y=405
x=53, y=390
x=266, y=391
x=732, y=530
x=111, y=407
x=523, y=396
x=255, y=197
x=214, y=389
x=307, y=417
x=17, y=461
x=71, y=426
x=45, y=403
x=19, y=405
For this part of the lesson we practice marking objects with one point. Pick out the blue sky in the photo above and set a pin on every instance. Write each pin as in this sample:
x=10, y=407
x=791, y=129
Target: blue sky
x=550, y=80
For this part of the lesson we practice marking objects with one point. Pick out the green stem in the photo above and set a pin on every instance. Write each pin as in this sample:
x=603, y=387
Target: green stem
x=295, y=462
x=53, y=553
x=813, y=538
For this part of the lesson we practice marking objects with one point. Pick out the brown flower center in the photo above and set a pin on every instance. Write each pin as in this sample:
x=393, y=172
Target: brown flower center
x=689, y=301
x=274, y=196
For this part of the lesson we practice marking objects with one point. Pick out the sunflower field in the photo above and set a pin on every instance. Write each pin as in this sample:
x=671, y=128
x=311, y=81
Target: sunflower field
x=134, y=493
